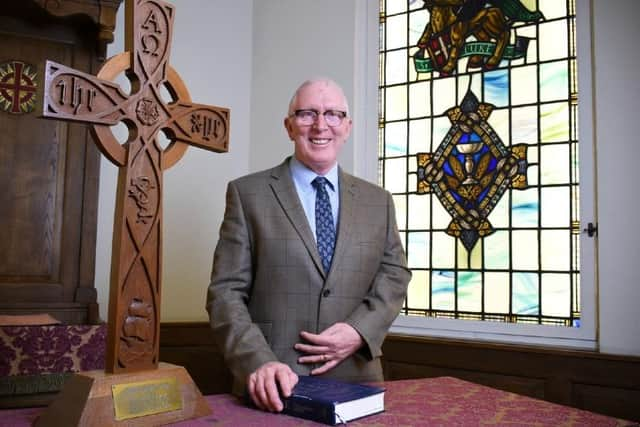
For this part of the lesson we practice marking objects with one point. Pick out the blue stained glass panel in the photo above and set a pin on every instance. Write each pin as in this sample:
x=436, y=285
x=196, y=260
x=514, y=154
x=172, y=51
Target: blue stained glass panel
x=525, y=293
x=524, y=212
x=443, y=289
x=554, y=81
x=396, y=139
x=496, y=88
x=470, y=291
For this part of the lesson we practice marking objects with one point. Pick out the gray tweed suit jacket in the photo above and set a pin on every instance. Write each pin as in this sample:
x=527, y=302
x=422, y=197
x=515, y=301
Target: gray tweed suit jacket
x=268, y=284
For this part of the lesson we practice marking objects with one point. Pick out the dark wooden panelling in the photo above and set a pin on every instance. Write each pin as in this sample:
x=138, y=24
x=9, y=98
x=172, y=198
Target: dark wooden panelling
x=191, y=345
x=49, y=171
x=602, y=383
x=622, y=402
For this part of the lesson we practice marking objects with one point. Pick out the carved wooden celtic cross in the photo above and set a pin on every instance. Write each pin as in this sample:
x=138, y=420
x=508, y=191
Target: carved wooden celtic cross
x=136, y=269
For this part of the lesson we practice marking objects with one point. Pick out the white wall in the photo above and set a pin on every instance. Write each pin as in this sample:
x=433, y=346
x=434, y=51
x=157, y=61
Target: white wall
x=211, y=51
x=293, y=41
x=260, y=51
x=616, y=94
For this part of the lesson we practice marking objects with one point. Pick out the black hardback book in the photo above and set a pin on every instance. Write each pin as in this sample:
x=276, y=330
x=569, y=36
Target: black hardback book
x=332, y=402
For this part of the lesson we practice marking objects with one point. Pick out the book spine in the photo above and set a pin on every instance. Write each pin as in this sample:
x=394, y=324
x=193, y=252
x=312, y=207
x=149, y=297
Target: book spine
x=310, y=410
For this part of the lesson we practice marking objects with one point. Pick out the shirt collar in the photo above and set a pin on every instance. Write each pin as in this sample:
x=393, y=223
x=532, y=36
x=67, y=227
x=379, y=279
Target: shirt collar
x=303, y=176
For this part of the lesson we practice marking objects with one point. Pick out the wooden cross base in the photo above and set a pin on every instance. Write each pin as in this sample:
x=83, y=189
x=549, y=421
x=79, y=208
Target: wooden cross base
x=90, y=398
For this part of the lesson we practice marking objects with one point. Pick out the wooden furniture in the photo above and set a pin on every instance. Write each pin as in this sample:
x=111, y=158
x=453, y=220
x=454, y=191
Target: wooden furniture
x=432, y=401
x=49, y=170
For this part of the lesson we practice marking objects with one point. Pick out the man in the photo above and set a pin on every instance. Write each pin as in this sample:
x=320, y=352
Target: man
x=294, y=294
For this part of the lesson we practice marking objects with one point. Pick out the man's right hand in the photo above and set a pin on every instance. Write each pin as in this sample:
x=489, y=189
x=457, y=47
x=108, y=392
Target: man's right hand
x=263, y=385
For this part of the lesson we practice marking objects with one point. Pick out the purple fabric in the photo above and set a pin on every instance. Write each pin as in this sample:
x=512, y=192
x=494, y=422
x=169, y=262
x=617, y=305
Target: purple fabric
x=29, y=350
x=440, y=401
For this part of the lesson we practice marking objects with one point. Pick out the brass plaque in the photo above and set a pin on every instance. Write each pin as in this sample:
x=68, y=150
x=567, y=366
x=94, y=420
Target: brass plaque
x=146, y=398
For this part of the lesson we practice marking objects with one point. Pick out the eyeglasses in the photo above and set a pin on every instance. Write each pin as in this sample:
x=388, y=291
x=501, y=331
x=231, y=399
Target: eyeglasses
x=308, y=117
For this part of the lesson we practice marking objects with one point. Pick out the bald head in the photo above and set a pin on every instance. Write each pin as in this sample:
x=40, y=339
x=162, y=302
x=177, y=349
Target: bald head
x=321, y=81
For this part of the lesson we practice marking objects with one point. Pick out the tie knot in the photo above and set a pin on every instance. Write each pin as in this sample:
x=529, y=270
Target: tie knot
x=320, y=183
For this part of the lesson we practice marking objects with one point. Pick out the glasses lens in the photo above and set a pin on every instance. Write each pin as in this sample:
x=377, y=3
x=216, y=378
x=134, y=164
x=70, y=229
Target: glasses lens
x=333, y=118
x=306, y=117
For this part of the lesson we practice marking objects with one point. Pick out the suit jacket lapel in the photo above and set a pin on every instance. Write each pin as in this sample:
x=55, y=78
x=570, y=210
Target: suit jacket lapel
x=348, y=194
x=287, y=196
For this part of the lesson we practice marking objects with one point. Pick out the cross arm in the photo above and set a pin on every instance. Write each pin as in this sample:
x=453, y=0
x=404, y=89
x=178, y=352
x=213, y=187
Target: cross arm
x=73, y=95
x=204, y=126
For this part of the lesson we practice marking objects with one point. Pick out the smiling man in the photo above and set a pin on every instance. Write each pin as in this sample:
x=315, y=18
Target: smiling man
x=309, y=271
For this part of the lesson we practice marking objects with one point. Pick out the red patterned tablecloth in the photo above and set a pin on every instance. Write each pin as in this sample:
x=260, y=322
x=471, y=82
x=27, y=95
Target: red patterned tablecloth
x=440, y=401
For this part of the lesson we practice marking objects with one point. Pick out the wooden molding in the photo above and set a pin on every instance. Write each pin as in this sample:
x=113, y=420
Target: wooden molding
x=101, y=12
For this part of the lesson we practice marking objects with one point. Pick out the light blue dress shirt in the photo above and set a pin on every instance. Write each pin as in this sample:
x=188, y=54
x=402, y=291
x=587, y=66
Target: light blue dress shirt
x=302, y=178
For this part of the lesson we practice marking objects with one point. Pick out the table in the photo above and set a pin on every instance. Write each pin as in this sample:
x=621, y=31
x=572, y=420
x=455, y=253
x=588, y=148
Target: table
x=442, y=401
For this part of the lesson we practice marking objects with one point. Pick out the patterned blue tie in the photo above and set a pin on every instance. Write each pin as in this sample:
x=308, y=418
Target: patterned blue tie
x=325, y=231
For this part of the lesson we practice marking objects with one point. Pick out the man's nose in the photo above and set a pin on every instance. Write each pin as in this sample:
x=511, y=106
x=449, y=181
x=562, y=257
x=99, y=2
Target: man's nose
x=320, y=122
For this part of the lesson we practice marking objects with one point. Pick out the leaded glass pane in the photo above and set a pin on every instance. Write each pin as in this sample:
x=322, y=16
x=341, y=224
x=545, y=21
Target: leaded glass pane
x=443, y=290
x=443, y=250
x=470, y=291
x=555, y=246
x=395, y=136
x=496, y=251
x=479, y=149
x=556, y=294
x=396, y=66
x=419, y=100
x=525, y=293
x=497, y=292
x=554, y=122
x=419, y=136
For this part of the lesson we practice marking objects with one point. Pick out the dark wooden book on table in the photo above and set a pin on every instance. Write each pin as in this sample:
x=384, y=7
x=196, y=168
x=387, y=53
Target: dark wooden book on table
x=332, y=402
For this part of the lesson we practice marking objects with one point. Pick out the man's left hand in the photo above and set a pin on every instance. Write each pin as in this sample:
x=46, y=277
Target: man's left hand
x=330, y=347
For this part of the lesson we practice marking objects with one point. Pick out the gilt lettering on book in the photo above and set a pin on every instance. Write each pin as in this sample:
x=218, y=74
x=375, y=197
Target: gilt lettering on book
x=333, y=402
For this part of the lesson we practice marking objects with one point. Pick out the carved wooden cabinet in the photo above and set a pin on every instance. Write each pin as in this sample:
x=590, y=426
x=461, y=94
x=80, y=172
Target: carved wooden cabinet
x=49, y=170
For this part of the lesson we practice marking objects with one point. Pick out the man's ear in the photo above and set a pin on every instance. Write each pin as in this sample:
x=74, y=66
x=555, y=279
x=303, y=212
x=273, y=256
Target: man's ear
x=288, y=127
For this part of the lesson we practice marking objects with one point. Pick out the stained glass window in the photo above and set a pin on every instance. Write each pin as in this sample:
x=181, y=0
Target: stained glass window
x=478, y=145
